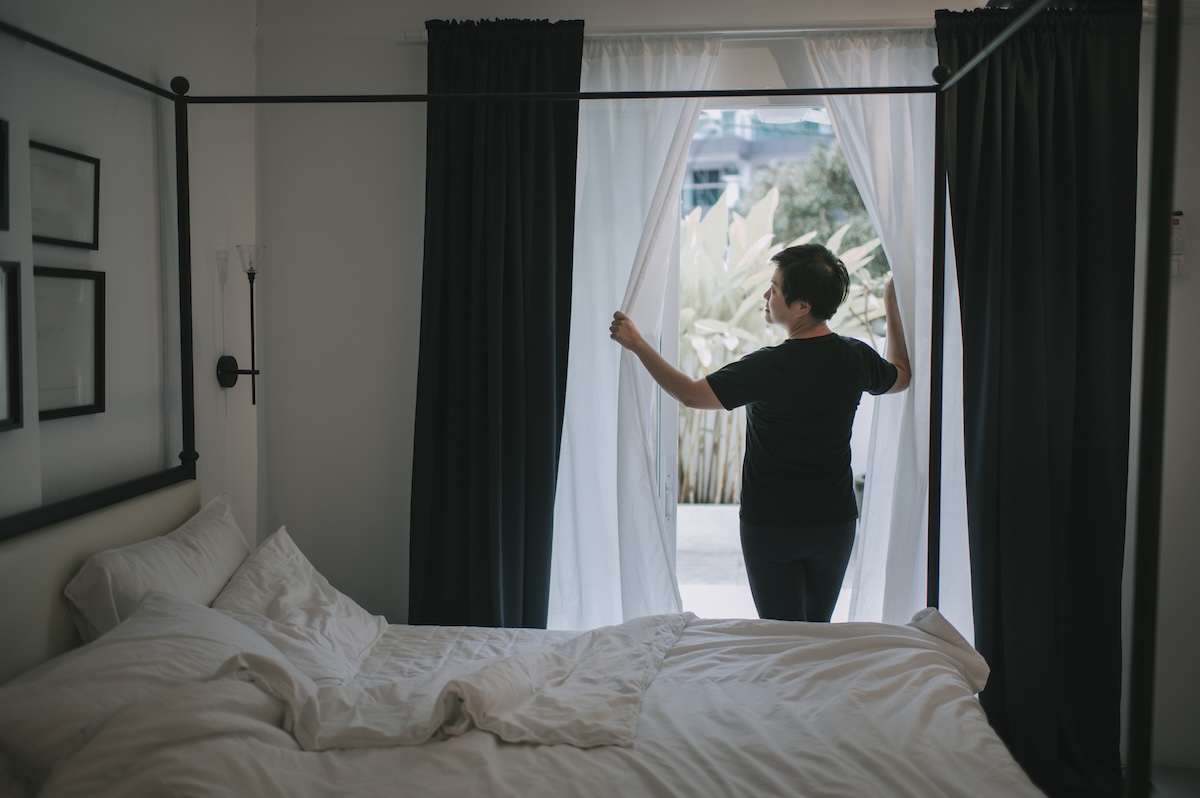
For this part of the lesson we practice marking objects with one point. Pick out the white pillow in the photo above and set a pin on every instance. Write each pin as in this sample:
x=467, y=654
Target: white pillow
x=279, y=594
x=168, y=640
x=194, y=561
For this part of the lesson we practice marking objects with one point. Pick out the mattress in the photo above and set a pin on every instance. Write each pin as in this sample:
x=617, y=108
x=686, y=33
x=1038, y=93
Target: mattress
x=735, y=708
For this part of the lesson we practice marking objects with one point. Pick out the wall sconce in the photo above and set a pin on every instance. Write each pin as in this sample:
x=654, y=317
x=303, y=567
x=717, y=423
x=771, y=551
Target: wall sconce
x=227, y=365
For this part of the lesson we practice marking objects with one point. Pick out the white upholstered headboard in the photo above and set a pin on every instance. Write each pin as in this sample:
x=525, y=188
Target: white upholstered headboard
x=35, y=624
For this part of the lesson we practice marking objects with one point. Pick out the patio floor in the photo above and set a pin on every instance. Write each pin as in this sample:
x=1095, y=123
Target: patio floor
x=709, y=565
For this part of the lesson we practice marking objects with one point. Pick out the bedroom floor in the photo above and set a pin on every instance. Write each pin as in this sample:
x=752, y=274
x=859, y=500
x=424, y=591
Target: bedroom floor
x=709, y=566
x=708, y=562
x=1175, y=782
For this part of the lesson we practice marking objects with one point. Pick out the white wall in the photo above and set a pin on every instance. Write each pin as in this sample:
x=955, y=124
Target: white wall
x=121, y=127
x=1177, y=705
x=212, y=45
x=20, y=449
x=342, y=198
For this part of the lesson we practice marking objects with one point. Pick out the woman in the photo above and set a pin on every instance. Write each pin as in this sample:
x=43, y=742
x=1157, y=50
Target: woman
x=798, y=510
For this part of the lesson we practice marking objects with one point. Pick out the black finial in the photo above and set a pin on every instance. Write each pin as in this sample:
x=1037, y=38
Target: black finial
x=942, y=73
x=179, y=85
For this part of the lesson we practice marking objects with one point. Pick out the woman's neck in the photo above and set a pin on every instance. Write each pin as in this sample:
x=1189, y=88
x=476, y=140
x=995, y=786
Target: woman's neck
x=807, y=328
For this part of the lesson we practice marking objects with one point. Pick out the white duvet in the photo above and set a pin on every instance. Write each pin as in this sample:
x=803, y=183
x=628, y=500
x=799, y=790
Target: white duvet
x=666, y=706
x=584, y=690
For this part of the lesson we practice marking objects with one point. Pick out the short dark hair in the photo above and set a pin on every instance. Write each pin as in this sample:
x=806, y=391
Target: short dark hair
x=811, y=273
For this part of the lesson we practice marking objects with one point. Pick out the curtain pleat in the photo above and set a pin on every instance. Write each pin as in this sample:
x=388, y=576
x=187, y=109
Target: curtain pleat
x=1042, y=184
x=495, y=320
x=613, y=557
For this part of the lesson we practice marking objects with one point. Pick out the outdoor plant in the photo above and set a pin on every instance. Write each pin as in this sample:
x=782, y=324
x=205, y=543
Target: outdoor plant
x=724, y=269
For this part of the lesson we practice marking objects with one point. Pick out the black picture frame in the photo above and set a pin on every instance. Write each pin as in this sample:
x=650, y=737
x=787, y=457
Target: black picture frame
x=3, y=174
x=11, y=416
x=70, y=341
x=64, y=197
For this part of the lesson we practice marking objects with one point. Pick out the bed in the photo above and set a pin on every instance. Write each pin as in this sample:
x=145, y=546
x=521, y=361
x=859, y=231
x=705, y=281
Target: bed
x=210, y=668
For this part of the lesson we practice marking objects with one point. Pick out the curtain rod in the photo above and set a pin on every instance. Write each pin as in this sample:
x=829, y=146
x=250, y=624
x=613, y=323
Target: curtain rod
x=729, y=33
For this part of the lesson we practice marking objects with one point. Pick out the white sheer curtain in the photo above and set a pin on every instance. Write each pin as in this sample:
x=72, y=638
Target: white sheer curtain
x=888, y=143
x=612, y=557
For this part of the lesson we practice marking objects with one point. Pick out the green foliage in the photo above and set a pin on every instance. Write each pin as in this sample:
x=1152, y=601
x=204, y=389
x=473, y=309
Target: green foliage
x=815, y=195
x=725, y=268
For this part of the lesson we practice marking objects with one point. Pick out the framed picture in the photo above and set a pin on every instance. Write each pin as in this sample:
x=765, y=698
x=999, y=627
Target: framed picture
x=65, y=197
x=69, y=304
x=3, y=174
x=10, y=345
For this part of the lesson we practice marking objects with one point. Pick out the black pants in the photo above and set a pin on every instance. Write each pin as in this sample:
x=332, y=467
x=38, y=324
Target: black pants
x=796, y=573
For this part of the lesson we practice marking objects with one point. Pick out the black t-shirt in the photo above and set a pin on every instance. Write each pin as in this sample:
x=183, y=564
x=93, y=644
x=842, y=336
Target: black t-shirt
x=800, y=399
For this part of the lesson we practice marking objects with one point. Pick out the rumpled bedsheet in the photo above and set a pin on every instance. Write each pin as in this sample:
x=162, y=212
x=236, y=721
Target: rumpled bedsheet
x=737, y=708
x=584, y=691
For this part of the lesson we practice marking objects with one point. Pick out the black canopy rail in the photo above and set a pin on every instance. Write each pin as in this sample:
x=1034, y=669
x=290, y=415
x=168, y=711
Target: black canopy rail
x=57, y=49
x=556, y=96
x=1149, y=486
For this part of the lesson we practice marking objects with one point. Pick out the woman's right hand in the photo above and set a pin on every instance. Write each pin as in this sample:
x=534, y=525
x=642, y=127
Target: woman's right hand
x=624, y=331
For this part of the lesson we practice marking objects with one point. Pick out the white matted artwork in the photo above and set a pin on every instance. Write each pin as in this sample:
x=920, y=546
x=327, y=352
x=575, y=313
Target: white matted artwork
x=69, y=307
x=65, y=196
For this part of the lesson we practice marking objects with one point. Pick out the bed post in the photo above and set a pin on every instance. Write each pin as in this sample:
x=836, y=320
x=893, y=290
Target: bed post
x=183, y=209
x=933, y=572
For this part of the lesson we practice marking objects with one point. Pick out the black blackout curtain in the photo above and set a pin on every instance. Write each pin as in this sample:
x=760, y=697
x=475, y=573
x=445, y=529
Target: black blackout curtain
x=495, y=316
x=1042, y=162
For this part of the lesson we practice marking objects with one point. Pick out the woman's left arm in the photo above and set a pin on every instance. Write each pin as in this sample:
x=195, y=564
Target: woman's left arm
x=897, y=348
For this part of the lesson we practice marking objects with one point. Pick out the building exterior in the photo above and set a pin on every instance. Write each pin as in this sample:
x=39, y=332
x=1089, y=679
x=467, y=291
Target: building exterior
x=730, y=144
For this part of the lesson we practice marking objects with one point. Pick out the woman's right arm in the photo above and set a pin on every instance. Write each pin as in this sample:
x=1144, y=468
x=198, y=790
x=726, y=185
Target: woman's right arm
x=688, y=392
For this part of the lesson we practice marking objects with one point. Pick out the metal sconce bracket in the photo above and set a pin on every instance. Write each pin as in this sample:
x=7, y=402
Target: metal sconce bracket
x=227, y=365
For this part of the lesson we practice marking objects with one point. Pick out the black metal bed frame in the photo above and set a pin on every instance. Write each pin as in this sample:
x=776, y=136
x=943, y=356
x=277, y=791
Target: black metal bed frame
x=1157, y=303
